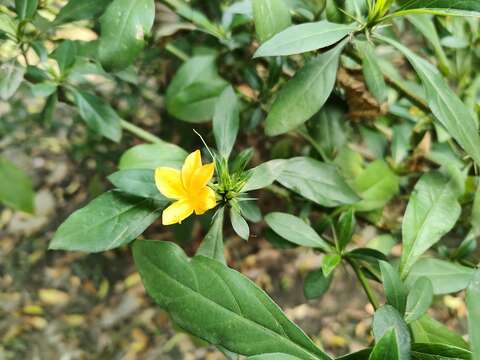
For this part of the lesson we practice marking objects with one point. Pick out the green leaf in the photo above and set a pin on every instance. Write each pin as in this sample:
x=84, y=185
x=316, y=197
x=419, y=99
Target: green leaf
x=226, y=121
x=447, y=107
x=345, y=228
x=212, y=244
x=16, y=189
x=194, y=90
x=76, y=10
x=138, y=182
x=305, y=37
x=386, y=348
x=295, y=230
x=428, y=330
x=446, y=277
x=99, y=116
x=386, y=318
x=401, y=142
x=432, y=211
x=25, y=9
x=218, y=304
x=330, y=262
x=394, y=289
x=111, y=220
x=425, y=25
x=305, y=93
x=273, y=356
x=317, y=181
x=239, y=224
x=419, y=299
x=11, y=76
x=473, y=307
x=264, y=174
x=371, y=71
x=439, y=7
x=383, y=243
x=422, y=351
x=271, y=16
x=123, y=29
x=377, y=185
x=250, y=210
x=65, y=55
x=151, y=156
x=316, y=284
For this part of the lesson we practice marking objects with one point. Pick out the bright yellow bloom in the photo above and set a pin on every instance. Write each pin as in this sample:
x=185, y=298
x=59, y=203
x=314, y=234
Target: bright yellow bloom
x=188, y=187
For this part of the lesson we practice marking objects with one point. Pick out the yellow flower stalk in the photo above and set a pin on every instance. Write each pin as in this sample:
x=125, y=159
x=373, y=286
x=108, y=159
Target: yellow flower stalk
x=188, y=187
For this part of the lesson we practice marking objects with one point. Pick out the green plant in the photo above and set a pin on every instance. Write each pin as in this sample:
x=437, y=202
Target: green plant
x=321, y=66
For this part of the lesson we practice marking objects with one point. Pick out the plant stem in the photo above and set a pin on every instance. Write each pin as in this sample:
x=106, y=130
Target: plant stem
x=176, y=51
x=366, y=286
x=303, y=132
x=142, y=134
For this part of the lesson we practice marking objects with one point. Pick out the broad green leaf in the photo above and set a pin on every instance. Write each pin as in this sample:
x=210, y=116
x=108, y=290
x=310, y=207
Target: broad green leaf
x=428, y=330
x=303, y=95
x=316, y=284
x=386, y=348
x=218, y=304
x=401, y=142
x=212, y=244
x=76, y=10
x=226, y=121
x=295, y=230
x=386, y=318
x=11, y=76
x=138, y=182
x=264, y=174
x=151, y=156
x=422, y=351
x=239, y=224
x=439, y=7
x=25, y=9
x=317, y=181
x=446, y=277
x=345, y=228
x=432, y=211
x=376, y=185
x=273, y=356
x=194, y=90
x=473, y=307
x=305, y=37
x=330, y=262
x=16, y=189
x=371, y=71
x=419, y=299
x=65, y=55
x=123, y=29
x=395, y=291
x=250, y=210
x=111, y=220
x=383, y=243
x=447, y=107
x=270, y=16
x=99, y=116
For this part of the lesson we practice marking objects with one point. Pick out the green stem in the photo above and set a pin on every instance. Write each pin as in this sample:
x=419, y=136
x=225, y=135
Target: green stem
x=177, y=52
x=138, y=131
x=366, y=286
x=302, y=132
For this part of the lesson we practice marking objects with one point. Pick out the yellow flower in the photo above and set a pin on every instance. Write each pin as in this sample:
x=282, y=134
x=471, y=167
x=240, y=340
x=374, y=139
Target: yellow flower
x=188, y=187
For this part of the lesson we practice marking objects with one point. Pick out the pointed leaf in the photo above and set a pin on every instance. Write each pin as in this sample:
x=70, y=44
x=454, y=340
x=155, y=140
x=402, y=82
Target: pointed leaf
x=419, y=299
x=76, y=10
x=239, y=224
x=16, y=189
x=394, y=289
x=138, y=182
x=212, y=244
x=305, y=93
x=226, y=121
x=386, y=348
x=218, y=304
x=271, y=16
x=151, y=156
x=305, y=37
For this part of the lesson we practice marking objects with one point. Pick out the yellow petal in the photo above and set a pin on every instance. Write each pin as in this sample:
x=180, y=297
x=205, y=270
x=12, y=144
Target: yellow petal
x=169, y=183
x=201, y=177
x=177, y=212
x=204, y=200
x=191, y=164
